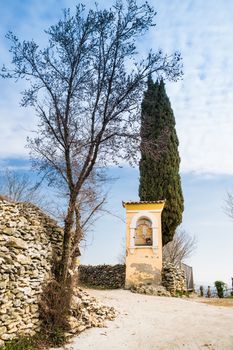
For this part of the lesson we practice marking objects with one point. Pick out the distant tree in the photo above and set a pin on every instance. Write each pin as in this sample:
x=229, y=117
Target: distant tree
x=122, y=255
x=86, y=99
x=180, y=248
x=220, y=287
x=228, y=208
x=19, y=187
x=159, y=176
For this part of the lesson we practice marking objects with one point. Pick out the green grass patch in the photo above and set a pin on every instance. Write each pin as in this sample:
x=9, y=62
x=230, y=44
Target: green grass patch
x=180, y=294
x=20, y=344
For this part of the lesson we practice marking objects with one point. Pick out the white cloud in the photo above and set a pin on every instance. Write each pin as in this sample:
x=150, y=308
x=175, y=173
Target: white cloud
x=16, y=123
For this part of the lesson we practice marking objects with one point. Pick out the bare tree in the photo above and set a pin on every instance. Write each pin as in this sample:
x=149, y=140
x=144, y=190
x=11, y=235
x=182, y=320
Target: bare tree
x=228, y=208
x=19, y=187
x=91, y=200
x=122, y=255
x=180, y=248
x=87, y=101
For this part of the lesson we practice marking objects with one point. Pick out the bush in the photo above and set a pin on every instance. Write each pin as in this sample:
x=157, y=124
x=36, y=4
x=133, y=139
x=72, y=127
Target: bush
x=54, y=309
x=220, y=286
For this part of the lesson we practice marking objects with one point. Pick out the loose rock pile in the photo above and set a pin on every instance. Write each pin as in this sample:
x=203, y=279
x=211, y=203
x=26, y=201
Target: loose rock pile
x=151, y=290
x=104, y=276
x=28, y=242
x=173, y=279
x=88, y=312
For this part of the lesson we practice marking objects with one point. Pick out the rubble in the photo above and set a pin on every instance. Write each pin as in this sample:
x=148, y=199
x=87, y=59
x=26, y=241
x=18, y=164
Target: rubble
x=87, y=311
x=173, y=283
x=150, y=290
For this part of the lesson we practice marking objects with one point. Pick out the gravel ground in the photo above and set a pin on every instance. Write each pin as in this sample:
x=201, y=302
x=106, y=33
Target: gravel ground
x=158, y=323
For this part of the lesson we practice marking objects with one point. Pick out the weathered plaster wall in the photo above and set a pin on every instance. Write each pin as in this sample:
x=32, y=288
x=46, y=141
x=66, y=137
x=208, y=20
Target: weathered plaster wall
x=144, y=266
x=29, y=241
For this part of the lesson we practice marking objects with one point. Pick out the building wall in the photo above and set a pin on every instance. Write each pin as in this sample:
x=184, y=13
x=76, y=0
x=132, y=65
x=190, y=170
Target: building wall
x=143, y=264
x=29, y=242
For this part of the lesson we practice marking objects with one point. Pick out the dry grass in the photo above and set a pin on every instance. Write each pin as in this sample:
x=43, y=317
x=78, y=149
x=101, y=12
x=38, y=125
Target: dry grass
x=54, y=308
x=218, y=302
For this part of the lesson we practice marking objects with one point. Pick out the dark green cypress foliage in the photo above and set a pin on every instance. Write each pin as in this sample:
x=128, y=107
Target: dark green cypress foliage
x=159, y=164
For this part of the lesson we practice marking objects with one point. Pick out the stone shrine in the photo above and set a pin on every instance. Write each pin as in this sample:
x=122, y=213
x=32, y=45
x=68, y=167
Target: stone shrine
x=143, y=242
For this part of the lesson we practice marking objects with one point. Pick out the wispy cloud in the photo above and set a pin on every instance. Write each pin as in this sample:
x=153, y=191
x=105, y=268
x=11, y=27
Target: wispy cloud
x=203, y=100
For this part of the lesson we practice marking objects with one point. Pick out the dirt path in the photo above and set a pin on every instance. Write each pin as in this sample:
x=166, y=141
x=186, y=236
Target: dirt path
x=158, y=323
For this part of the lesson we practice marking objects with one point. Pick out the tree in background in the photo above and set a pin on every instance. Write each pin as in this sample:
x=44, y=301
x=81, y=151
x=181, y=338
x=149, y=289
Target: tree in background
x=159, y=176
x=180, y=248
x=19, y=187
x=228, y=208
x=220, y=287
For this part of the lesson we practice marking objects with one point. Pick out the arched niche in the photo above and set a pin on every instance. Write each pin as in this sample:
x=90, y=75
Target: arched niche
x=151, y=222
x=143, y=232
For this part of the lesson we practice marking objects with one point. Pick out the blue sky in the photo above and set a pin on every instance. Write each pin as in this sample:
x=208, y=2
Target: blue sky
x=203, y=106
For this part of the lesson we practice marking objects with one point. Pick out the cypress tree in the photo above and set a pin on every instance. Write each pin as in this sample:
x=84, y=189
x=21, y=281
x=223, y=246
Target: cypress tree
x=160, y=161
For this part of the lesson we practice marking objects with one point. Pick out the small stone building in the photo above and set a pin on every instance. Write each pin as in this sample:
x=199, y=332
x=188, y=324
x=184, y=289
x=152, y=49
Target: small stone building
x=143, y=242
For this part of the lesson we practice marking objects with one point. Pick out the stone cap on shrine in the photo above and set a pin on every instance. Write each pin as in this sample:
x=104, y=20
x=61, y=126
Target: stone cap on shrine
x=144, y=205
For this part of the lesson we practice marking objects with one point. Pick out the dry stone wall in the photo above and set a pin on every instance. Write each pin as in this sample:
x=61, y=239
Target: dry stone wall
x=29, y=241
x=173, y=279
x=103, y=276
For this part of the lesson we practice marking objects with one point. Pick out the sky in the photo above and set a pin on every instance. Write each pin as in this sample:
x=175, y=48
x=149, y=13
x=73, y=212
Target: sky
x=203, y=107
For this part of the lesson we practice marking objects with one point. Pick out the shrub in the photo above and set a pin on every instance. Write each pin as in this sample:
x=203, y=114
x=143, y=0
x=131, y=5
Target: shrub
x=54, y=309
x=220, y=285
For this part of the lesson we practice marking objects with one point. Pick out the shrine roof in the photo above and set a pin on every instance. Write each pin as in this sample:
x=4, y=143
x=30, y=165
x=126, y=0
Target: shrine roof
x=143, y=202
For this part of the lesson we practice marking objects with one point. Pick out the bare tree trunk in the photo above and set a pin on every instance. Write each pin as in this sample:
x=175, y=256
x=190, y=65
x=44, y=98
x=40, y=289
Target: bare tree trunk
x=67, y=239
x=77, y=238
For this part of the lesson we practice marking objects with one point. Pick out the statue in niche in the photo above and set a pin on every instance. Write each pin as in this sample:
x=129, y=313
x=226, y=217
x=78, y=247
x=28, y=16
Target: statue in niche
x=143, y=234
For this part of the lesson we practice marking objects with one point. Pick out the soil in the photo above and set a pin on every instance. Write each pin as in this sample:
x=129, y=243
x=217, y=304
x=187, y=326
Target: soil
x=219, y=302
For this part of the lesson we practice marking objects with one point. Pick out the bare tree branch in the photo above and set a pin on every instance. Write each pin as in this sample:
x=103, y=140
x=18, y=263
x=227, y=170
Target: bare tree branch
x=20, y=187
x=180, y=248
x=228, y=208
